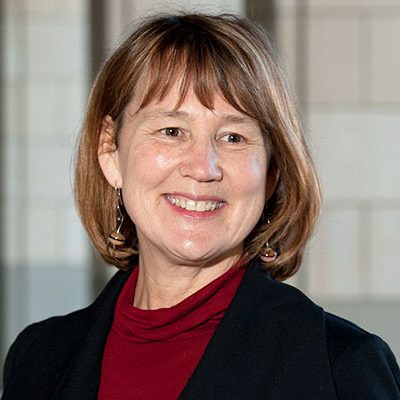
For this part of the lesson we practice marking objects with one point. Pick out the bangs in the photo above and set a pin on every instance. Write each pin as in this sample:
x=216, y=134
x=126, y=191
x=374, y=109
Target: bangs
x=201, y=61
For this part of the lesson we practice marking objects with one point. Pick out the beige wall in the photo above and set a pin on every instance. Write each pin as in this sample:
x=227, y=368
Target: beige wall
x=123, y=14
x=351, y=93
x=344, y=57
x=45, y=85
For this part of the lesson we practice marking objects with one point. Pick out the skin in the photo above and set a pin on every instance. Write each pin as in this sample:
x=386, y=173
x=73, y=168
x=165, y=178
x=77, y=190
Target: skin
x=190, y=153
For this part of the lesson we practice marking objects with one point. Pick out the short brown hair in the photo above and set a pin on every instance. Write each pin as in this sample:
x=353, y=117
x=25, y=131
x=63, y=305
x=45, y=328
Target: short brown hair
x=221, y=54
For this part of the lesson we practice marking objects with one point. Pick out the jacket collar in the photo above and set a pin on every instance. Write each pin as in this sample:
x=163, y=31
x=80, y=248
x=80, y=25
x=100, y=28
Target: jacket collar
x=270, y=335
x=270, y=341
x=82, y=378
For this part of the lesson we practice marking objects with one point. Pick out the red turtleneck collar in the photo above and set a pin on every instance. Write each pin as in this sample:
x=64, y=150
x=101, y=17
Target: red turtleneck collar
x=150, y=354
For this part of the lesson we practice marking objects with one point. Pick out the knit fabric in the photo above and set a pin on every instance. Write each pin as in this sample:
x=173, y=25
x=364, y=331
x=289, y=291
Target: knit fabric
x=151, y=354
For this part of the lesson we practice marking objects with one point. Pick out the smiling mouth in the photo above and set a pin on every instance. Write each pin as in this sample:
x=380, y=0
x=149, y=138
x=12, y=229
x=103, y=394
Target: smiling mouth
x=193, y=205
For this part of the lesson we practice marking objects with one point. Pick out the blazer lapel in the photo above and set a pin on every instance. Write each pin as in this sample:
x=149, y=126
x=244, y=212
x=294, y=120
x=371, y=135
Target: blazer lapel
x=269, y=345
x=81, y=379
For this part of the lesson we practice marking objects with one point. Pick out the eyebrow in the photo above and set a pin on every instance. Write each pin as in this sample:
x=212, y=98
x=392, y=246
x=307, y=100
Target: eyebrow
x=237, y=119
x=170, y=114
x=231, y=118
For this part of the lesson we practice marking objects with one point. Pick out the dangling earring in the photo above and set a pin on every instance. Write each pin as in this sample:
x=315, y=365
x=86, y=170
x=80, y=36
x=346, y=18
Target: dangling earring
x=268, y=254
x=116, y=238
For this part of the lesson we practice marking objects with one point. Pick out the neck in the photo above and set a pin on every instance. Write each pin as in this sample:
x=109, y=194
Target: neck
x=165, y=284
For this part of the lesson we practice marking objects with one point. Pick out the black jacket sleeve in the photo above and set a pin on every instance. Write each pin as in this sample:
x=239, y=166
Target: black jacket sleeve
x=18, y=366
x=366, y=369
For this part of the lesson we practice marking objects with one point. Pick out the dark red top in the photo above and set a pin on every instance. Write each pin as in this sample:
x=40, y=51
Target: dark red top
x=150, y=354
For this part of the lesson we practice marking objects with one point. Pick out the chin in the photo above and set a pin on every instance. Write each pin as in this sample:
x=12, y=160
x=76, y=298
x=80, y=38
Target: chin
x=196, y=254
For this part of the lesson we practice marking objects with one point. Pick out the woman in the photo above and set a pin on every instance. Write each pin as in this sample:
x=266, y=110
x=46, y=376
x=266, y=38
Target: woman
x=193, y=178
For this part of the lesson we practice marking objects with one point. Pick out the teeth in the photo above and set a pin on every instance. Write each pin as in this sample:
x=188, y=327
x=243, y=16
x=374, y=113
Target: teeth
x=201, y=206
x=192, y=205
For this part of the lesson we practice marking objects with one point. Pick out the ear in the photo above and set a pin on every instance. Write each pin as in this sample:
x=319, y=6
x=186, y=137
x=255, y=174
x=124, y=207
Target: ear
x=272, y=179
x=107, y=152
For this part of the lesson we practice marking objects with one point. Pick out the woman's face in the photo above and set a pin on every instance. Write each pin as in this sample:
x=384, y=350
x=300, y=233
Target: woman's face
x=194, y=180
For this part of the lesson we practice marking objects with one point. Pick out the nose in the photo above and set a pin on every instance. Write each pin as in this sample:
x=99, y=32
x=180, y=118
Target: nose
x=201, y=162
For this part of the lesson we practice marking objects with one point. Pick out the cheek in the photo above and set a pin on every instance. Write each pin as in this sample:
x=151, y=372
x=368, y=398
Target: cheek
x=146, y=165
x=163, y=160
x=258, y=167
x=251, y=174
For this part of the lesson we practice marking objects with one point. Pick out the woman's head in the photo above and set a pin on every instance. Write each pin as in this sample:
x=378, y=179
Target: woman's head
x=213, y=59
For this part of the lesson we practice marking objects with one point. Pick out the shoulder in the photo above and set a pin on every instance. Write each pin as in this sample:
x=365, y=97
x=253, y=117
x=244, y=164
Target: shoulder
x=363, y=365
x=343, y=335
x=50, y=340
x=51, y=329
x=42, y=351
x=353, y=352
x=70, y=326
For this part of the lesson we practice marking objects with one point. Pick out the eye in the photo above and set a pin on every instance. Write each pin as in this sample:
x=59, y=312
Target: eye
x=233, y=138
x=171, y=131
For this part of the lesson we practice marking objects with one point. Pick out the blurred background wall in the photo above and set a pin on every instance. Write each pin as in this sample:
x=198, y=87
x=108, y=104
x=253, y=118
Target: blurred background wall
x=342, y=57
x=44, y=83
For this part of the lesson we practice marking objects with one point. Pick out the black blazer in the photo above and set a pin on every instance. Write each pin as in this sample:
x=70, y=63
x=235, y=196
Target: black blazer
x=273, y=343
